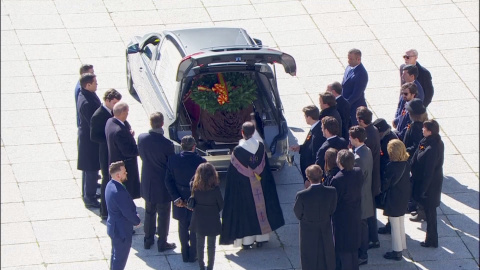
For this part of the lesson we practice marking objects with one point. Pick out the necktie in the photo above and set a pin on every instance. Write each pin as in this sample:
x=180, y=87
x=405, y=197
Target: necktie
x=348, y=75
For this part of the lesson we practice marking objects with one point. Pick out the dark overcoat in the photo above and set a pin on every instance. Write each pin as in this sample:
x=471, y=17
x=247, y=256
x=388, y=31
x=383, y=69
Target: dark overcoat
x=122, y=147
x=87, y=103
x=384, y=158
x=327, y=180
x=425, y=80
x=373, y=142
x=314, y=208
x=364, y=160
x=346, y=219
x=343, y=108
x=180, y=171
x=336, y=142
x=331, y=111
x=413, y=136
x=398, y=195
x=154, y=150
x=206, y=214
x=354, y=90
x=309, y=148
x=427, y=171
x=97, y=134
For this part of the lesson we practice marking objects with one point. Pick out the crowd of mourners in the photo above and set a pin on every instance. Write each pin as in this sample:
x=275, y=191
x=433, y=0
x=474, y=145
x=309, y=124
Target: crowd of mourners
x=351, y=166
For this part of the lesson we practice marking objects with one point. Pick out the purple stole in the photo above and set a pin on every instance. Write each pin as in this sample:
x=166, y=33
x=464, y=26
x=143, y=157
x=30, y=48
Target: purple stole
x=257, y=191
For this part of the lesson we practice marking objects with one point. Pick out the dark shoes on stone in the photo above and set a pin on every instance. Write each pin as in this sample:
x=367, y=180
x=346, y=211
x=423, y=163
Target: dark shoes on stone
x=167, y=246
x=373, y=245
x=246, y=247
x=418, y=218
x=425, y=244
x=147, y=243
x=393, y=255
x=92, y=204
x=362, y=261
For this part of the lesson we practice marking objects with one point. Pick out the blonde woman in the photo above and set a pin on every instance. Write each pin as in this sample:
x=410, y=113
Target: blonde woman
x=396, y=184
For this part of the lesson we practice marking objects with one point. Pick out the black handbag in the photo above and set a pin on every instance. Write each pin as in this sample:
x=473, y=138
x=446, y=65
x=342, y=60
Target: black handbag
x=381, y=198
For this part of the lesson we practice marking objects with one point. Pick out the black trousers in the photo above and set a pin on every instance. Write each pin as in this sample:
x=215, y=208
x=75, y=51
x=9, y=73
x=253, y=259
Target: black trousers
x=210, y=250
x=372, y=225
x=157, y=213
x=362, y=251
x=89, y=183
x=431, y=218
x=188, y=240
x=347, y=260
x=105, y=179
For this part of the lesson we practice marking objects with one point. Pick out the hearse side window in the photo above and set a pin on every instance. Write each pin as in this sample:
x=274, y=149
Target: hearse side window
x=166, y=69
x=149, y=51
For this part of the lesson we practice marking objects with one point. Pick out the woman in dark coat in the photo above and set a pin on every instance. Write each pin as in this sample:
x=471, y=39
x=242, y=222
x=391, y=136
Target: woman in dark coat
x=346, y=219
x=331, y=168
x=396, y=184
x=206, y=213
x=427, y=176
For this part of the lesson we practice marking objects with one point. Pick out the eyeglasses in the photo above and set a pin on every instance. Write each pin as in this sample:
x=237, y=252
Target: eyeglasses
x=408, y=56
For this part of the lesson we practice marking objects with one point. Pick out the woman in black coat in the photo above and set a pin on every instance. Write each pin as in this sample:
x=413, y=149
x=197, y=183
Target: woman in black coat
x=396, y=185
x=331, y=168
x=427, y=176
x=206, y=213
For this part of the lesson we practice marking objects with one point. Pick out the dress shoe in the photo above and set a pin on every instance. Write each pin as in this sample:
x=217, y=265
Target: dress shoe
x=104, y=217
x=373, y=245
x=246, y=247
x=418, y=218
x=425, y=244
x=393, y=255
x=167, y=246
x=92, y=204
x=147, y=243
x=362, y=261
x=385, y=230
x=259, y=244
x=97, y=196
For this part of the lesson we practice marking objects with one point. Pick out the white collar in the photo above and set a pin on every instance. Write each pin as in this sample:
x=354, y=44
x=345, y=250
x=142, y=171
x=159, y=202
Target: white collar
x=251, y=145
x=257, y=136
x=315, y=184
x=356, y=148
x=337, y=97
x=314, y=124
x=332, y=137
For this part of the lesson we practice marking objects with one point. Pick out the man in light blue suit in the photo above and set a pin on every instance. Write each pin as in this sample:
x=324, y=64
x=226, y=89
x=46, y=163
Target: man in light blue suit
x=122, y=216
x=354, y=82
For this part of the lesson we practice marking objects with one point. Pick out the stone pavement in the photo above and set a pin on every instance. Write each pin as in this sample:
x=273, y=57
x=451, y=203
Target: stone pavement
x=43, y=222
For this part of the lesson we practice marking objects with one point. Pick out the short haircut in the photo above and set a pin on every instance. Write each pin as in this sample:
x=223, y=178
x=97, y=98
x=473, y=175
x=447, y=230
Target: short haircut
x=312, y=111
x=418, y=117
x=156, y=120
x=358, y=132
x=85, y=68
x=411, y=70
x=346, y=159
x=330, y=159
x=115, y=167
x=314, y=173
x=412, y=88
x=413, y=51
x=357, y=52
x=328, y=98
x=432, y=126
x=119, y=108
x=112, y=94
x=248, y=128
x=331, y=124
x=86, y=78
x=363, y=113
x=337, y=87
x=187, y=143
x=397, y=151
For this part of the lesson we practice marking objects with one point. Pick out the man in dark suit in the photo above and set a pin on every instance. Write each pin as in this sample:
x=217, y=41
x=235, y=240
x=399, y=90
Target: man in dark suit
x=328, y=107
x=363, y=160
x=122, y=216
x=180, y=170
x=402, y=117
x=154, y=150
x=97, y=134
x=85, y=68
x=313, y=141
x=424, y=77
x=364, y=118
x=354, y=83
x=88, y=161
x=343, y=107
x=331, y=130
x=122, y=146
x=314, y=208
x=410, y=74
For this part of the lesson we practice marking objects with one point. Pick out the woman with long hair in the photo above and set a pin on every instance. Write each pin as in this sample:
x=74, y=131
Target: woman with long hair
x=206, y=212
x=396, y=184
x=331, y=168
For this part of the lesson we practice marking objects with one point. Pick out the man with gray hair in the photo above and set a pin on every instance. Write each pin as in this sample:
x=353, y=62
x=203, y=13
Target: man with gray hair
x=122, y=146
x=424, y=77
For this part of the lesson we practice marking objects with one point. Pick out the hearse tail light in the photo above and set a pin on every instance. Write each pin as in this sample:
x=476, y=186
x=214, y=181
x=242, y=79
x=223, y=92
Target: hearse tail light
x=190, y=56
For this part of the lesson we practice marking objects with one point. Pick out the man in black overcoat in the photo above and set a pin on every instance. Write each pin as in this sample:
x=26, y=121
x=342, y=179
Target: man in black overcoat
x=331, y=130
x=313, y=141
x=180, y=170
x=154, y=150
x=343, y=107
x=314, y=208
x=88, y=161
x=122, y=146
x=424, y=77
x=328, y=106
x=97, y=134
x=364, y=118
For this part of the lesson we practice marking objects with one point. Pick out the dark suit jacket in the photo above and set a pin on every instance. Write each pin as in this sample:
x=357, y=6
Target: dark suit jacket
x=180, y=170
x=314, y=208
x=154, y=150
x=384, y=158
x=373, y=142
x=206, y=214
x=425, y=80
x=364, y=160
x=122, y=146
x=122, y=213
x=97, y=134
x=309, y=148
x=354, y=90
x=413, y=136
x=332, y=111
x=343, y=108
x=336, y=142
x=87, y=104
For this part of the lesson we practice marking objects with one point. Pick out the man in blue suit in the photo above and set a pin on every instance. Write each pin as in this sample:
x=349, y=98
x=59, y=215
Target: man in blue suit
x=122, y=216
x=355, y=81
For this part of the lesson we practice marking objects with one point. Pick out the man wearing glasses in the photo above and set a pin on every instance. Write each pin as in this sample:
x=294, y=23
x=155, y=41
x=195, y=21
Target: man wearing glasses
x=409, y=91
x=424, y=77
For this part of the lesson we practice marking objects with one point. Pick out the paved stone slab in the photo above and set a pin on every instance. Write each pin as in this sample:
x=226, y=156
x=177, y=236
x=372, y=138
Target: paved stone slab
x=449, y=248
x=466, y=224
x=30, y=267
x=10, y=193
x=56, y=209
x=450, y=264
x=7, y=174
x=100, y=265
x=466, y=203
x=13, y=212
x=76, y=250
x=460, y=183
x=21, y=255
x=11, y=236
x=249, y=259
x=63, y=229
